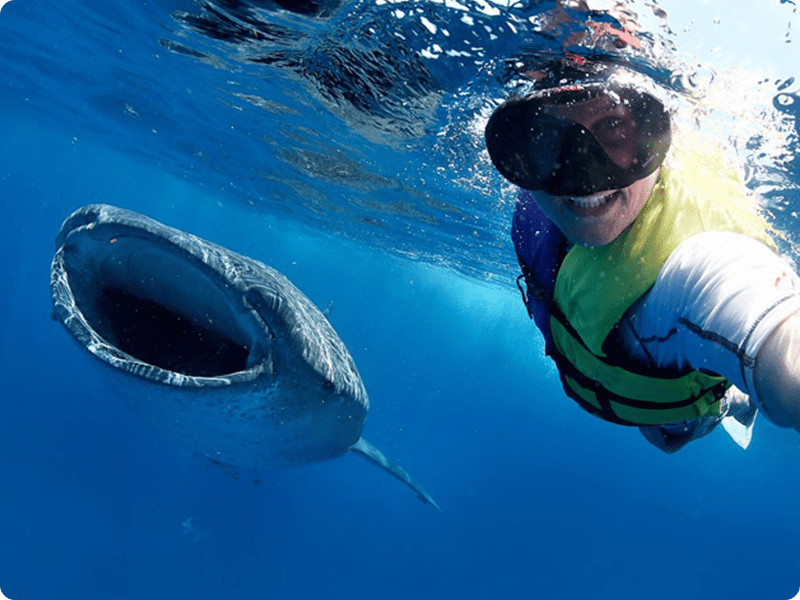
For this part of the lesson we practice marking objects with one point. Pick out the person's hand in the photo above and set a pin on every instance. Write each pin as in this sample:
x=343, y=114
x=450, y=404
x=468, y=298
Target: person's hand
x=620, y=37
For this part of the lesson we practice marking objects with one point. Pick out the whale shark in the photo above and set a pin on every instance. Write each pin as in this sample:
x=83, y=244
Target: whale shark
x=216, y=350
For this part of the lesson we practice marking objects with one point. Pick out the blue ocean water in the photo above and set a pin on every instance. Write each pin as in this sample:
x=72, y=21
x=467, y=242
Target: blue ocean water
x=344, y=149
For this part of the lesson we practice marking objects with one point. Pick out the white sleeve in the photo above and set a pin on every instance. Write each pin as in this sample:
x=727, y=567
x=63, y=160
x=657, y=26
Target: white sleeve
x=716, y=300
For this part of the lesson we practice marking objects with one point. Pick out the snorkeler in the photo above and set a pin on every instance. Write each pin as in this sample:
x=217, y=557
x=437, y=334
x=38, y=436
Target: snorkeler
x=655, y=283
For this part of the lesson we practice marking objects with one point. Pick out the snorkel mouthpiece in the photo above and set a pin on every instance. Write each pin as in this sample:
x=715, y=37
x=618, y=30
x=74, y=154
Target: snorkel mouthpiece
x=539, y=151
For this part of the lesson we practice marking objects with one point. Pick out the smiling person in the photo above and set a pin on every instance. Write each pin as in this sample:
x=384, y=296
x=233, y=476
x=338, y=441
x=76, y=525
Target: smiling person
x=648, y=269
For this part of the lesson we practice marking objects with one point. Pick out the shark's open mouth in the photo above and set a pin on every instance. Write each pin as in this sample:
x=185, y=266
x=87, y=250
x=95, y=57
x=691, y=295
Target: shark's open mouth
x=155, y=302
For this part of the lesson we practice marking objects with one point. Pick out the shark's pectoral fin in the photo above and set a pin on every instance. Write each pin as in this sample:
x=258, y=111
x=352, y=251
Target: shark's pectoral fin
x=364, y=448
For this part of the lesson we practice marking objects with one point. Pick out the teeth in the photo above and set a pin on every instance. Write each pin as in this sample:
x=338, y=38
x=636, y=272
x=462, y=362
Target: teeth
x=591, y=201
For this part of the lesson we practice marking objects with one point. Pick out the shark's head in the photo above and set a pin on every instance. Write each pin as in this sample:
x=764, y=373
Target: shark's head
x=217, y=349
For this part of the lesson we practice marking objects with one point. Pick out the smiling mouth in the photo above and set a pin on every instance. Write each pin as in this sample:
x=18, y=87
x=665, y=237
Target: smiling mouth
x=592, y=202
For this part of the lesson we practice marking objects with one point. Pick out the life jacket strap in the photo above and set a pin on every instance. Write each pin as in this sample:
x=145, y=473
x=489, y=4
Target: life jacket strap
x=602, y=402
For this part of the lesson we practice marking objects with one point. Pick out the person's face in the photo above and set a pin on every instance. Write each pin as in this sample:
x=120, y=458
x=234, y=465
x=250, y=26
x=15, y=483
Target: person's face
x=600, y=218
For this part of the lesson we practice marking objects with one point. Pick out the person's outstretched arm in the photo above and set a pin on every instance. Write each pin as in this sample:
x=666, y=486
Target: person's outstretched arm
x=726, y=304
x=777, y=374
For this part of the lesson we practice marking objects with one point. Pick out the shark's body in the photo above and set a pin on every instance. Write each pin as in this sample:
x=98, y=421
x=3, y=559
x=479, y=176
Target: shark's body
x=217, y=350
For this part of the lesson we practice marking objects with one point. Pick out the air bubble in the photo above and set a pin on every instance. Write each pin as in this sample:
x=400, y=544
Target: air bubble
x=701, y=79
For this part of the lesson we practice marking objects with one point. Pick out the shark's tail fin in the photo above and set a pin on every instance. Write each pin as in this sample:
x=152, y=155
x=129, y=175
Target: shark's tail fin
x=364, y=448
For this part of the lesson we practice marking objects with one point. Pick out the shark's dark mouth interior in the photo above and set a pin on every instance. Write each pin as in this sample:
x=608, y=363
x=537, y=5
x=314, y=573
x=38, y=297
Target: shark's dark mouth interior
x=162, y=306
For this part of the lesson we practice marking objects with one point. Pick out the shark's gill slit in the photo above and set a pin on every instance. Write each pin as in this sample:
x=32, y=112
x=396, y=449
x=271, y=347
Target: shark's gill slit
x=159, y=306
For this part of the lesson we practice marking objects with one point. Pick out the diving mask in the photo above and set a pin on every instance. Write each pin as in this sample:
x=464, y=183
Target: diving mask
x=538, y=143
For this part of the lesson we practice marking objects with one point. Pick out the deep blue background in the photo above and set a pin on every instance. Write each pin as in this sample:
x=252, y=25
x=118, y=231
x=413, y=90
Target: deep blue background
x=539, y=500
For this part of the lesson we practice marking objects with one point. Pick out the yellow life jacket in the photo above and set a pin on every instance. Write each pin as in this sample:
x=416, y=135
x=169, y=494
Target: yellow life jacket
x=595, y=286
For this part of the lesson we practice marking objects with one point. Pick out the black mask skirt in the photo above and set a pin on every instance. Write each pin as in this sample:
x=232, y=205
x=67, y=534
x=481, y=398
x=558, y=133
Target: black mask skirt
x=541, y=152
